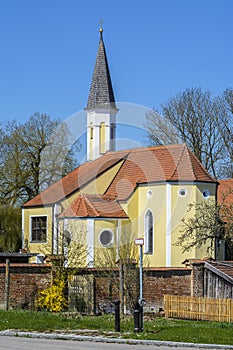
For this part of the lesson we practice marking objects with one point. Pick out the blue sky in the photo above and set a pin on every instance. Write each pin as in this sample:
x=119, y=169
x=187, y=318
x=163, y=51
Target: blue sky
x=156, y=49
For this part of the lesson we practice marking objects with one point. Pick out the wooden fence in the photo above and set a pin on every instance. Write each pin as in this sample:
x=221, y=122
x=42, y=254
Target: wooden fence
x=195, y=308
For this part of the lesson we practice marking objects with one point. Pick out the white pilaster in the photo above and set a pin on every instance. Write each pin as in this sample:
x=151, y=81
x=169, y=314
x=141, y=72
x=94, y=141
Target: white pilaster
x=90, y=242
x=168, y=225
x=118, y=239
x=56, y=212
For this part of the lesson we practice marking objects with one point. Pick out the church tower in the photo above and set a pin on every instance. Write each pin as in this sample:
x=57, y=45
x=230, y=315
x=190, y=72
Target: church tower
x=101, y=108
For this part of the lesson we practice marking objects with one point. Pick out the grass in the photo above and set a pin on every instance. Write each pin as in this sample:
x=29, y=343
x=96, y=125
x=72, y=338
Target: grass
x=156, y=328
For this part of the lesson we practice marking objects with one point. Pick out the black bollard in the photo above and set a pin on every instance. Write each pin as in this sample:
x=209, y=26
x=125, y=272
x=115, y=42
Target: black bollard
x=117, y=316
x=141, y=319
x=137, y=318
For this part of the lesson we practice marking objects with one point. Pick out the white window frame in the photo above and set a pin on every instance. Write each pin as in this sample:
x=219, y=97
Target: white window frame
x=112, y=240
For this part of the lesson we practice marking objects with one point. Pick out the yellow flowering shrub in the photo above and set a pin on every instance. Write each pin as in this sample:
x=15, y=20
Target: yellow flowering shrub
x=53, y=298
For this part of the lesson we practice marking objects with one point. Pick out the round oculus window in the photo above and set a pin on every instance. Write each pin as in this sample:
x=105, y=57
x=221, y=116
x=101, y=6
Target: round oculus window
x=149, y=194
x=182, y=192
x=205, y=194
x=106, y=238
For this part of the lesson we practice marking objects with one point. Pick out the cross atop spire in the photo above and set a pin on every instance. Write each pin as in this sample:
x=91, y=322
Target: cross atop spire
x=101, y=25
x=101, y=91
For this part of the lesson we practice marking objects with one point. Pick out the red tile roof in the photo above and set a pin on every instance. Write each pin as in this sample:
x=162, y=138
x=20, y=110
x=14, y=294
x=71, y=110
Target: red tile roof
x=89, y=205
x=154, y=164
x=76, y=179
x=225, y=191
x=140, y=165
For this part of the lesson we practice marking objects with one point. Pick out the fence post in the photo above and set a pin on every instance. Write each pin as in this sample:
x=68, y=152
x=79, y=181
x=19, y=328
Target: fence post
x=7, y=284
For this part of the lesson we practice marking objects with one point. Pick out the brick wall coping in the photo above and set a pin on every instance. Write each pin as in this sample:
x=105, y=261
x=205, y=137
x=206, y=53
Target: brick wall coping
x=99, y=269
x=167, y=268
x=26, y=265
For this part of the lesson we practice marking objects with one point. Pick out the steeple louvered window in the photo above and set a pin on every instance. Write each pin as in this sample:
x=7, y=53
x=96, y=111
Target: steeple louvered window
x=102, y=138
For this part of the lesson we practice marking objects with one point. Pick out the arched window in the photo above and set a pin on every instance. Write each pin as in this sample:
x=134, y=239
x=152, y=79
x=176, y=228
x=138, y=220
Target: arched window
x=149, y=232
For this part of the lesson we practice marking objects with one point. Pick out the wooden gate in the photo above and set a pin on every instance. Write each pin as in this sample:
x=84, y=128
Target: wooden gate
x=81, y=294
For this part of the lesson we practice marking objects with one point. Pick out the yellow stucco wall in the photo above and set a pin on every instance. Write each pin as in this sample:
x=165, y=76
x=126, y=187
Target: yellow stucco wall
x=34, y=247
x=74, y=230
x=202, y=251
x=180, y=210
x=100, y=185
x=105, y=256
x=153, y=198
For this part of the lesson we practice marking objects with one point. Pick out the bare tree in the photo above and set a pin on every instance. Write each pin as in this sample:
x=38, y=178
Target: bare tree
x=225, y=126
x=33, y=156
x=123, y=258
x=190, y=117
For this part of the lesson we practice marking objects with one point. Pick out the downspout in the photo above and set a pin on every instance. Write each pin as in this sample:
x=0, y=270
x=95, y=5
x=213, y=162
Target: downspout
x=23, y=245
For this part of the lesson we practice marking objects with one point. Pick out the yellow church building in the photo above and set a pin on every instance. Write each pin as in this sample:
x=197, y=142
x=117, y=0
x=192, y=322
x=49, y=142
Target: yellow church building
x=98, y=209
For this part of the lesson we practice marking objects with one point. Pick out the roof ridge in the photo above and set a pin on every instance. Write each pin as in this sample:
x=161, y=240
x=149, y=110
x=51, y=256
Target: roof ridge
x=123, y=162
x=88, y=202
x=179, y=161
x=144, y=148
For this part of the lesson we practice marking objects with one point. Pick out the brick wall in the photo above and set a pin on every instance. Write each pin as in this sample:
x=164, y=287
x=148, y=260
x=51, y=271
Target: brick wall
x=25, y=282
x=102, y=286
x=156, y=283
x=161, y=281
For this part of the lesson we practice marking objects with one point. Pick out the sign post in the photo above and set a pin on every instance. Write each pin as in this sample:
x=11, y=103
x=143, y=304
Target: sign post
x=140, y=242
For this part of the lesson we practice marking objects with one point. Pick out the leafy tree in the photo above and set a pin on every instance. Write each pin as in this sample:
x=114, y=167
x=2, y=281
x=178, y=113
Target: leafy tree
x=192, y=117
x=33, y=156
x=10, y=228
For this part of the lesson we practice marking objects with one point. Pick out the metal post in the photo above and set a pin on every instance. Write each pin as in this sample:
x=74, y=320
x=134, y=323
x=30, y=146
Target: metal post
x=141, y=293
x=137, y=321
x=121, y=273
x=117, y=316
x=138, y=314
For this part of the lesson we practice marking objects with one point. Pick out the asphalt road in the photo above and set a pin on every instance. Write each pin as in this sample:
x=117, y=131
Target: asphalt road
x=21, y=343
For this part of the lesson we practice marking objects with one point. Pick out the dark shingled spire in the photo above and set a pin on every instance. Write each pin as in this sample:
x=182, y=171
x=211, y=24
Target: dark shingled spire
x=101, y=91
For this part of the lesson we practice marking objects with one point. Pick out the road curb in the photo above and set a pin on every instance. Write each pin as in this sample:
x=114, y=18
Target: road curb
x=75, y=337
